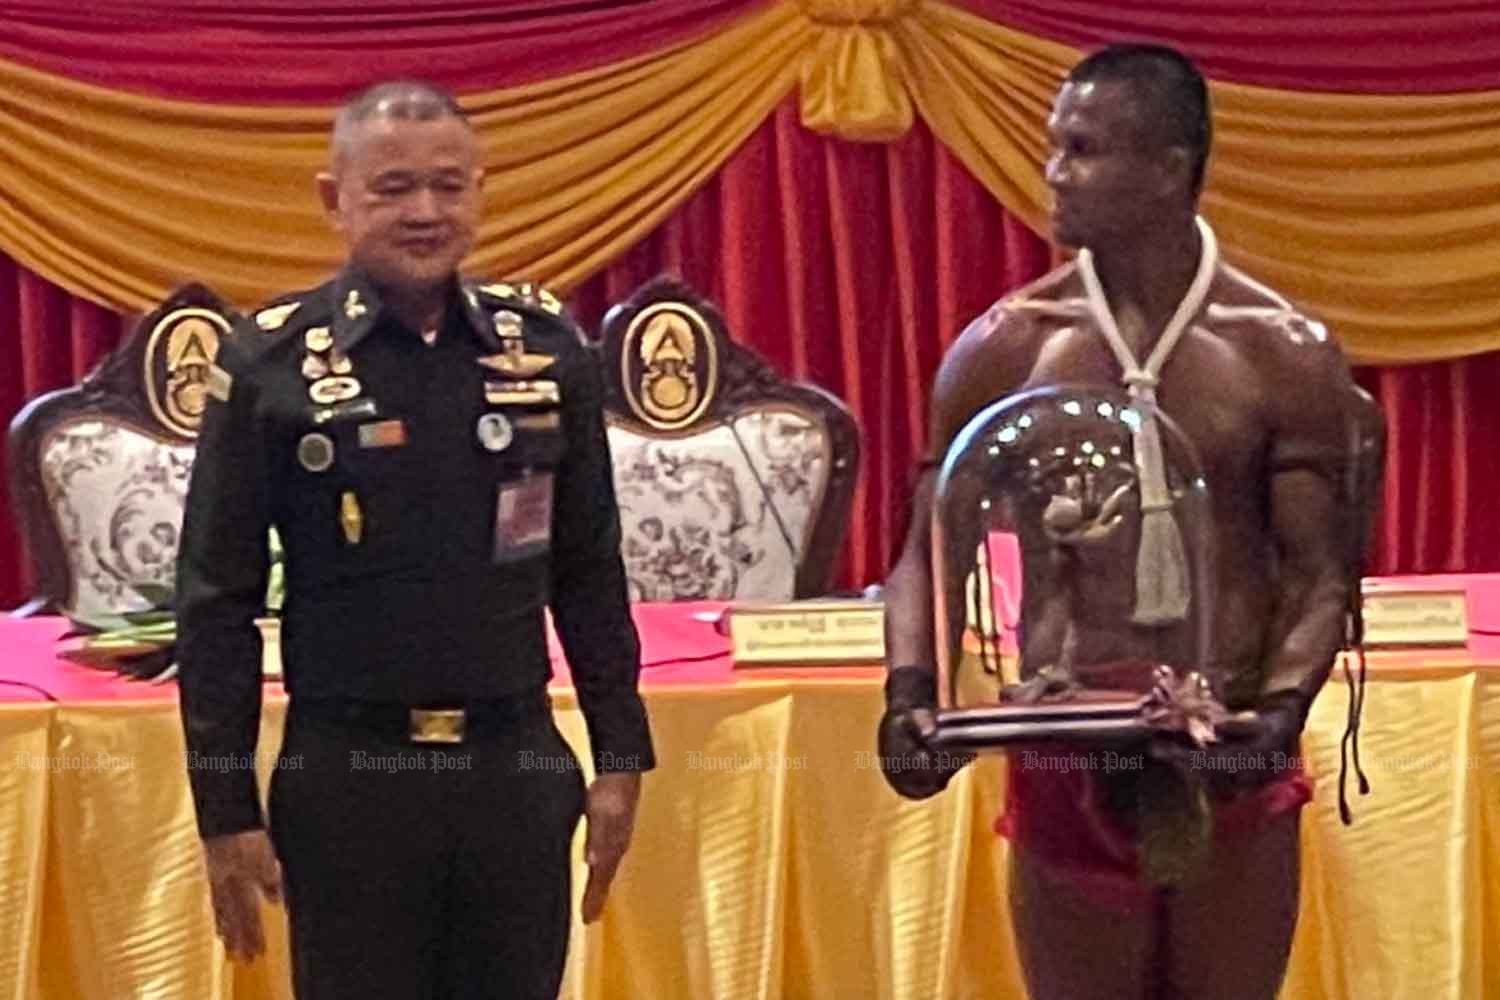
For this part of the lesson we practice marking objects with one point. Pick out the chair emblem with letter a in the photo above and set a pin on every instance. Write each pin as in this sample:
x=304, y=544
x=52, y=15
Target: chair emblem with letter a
x=179, y=363
x=669, y=365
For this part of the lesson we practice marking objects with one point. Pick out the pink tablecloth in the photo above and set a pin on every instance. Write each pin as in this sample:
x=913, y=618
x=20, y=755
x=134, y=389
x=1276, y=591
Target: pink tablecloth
x=679, y=645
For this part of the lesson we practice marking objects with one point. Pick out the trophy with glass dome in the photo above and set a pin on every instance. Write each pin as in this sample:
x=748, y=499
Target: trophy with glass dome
x=1073, y=577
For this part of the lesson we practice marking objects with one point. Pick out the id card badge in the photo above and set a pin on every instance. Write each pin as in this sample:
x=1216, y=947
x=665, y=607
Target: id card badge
x=523, y=518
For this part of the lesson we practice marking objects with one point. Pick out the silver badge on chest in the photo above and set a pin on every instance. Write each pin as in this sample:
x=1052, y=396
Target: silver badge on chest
x=495, y=432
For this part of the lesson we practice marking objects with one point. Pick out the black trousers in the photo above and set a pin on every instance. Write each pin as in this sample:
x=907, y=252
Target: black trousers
x=422, y=871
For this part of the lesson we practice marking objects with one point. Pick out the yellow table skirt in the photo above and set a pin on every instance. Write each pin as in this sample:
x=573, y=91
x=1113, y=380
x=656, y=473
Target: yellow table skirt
x=770, y=858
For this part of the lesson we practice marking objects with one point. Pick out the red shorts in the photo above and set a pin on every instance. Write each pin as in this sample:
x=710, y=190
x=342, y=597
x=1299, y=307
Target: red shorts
x=1053, y=809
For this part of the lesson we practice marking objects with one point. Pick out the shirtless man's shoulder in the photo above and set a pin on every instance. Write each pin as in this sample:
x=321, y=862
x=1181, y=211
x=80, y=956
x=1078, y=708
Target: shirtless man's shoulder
x=996, y=353
x=1279, y=339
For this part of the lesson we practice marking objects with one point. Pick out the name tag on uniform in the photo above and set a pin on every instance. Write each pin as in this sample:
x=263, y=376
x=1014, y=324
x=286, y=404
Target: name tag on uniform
x=541, y=392
x=538, y=421
x=523, y=518
x=384, y=434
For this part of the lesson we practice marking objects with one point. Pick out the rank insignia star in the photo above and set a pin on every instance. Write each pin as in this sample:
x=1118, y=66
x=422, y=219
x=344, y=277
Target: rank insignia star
x=353, y=307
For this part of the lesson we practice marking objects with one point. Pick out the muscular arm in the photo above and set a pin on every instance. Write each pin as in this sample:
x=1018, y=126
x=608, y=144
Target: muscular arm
x=908, y=595
x=1312, y=590
x=984, y=364
x=1309, y=523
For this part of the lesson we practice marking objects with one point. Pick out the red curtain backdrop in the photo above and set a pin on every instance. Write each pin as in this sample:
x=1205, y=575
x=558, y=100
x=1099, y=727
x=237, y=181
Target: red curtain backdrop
x=853, y=266
x=289, y=52
x=1345, y=46
x=277, y=51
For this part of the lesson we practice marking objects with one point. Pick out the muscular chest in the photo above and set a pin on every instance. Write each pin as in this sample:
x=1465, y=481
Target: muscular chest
x=1207, y=388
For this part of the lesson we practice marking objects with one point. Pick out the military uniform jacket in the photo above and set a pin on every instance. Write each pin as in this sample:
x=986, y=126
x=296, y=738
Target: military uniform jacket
x=407, y=483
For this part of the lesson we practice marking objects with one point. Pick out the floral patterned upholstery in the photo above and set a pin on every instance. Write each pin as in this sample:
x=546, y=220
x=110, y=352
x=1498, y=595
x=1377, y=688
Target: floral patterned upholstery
x=734, y=483
x=724, y=513
x=98, y=471
x=702, y=516
x=116, y=495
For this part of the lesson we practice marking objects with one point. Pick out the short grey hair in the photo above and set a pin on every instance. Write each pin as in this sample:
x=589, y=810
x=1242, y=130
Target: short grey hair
x=401, y=100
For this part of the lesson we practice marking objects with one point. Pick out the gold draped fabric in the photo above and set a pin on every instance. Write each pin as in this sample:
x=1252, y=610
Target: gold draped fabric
x=770, y=859
x=120, y=197
x=24, y=738
x=1377, y=213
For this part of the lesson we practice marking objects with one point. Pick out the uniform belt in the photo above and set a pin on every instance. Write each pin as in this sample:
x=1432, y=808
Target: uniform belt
x=449, y=723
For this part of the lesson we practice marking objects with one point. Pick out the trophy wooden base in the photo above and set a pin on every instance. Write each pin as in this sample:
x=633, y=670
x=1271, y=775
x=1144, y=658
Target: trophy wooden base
x=1180, y=705
x=1087, y=718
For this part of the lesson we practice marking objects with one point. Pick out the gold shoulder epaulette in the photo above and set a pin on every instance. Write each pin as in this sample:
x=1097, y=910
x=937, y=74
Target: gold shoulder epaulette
x=273, y=318
x=526, y=293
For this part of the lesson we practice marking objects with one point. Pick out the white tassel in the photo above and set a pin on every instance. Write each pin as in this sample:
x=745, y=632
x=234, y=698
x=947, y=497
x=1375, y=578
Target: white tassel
x=1162, y=585
x=1161, y=571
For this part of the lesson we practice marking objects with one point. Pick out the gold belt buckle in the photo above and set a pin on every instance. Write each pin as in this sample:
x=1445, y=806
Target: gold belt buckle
x=436, y=725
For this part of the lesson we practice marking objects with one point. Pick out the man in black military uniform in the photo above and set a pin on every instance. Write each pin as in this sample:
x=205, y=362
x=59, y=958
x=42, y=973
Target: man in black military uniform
x=433, y=457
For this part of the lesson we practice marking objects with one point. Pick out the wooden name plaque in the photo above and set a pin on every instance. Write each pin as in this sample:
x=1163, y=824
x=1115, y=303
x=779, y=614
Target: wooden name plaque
x=807, y=632
x=1399, y=616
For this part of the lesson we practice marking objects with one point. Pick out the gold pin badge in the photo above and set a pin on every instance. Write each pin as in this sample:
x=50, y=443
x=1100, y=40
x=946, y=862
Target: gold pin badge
x=538, y=421
x=524, y=392
x=339, y=364
x=542, y=392
x=548, y=301
x=334, y=389
x=500, y=396
x=518, y=363
x=351, y=518
x=353, y=308
x=315, y=452
x=318, y=339
x=314, y=367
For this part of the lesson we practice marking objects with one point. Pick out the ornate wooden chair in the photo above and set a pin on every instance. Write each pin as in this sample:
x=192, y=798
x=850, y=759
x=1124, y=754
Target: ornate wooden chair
x=99, y=471
x=733, y=483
